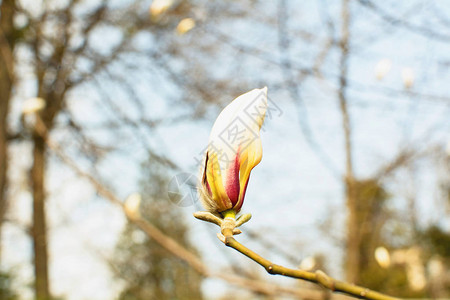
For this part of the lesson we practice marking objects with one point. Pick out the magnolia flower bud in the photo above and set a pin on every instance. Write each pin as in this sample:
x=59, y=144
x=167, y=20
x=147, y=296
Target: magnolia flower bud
x=132, y=205
x=185, y=25
x=159, y=7
x=382, y=257
x=234, y=149
x=408, y=77
x=308, y=263
x=382, y=68
x=33, y=105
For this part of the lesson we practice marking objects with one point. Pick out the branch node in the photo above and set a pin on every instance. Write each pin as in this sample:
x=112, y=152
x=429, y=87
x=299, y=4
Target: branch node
x=228, y=226
x=364, y=293
x=270, y=269
x=325, y=280
x=228, y=240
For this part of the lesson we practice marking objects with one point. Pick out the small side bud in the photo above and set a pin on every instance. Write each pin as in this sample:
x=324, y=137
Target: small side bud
x=185, y=25
x=33, y=105
x=236, y=231
x=221, y=237
x=132, y=205
x=382, y=257
x=408, y=77
x=243, y=219
x=382, y=68
x=308, y=263
x=159, y=7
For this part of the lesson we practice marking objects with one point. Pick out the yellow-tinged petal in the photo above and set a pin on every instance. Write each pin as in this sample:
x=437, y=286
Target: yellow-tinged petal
x=214, y=179
x=250, y=158
x=252, y=154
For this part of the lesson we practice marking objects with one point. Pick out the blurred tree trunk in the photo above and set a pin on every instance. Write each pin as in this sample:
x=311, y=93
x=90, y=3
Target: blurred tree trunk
x=6, y=82
x=53, y=92
x=39, y=231
x=54, y=101
x=164, y=277
x=352, y=266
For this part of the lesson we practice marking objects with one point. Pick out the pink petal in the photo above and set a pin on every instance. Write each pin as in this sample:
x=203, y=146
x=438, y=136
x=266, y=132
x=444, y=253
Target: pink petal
x=241, y=201
x=231, y=183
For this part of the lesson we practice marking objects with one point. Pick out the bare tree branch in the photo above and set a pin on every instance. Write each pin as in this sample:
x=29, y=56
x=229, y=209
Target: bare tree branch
x=417, y=29
x=228, y=226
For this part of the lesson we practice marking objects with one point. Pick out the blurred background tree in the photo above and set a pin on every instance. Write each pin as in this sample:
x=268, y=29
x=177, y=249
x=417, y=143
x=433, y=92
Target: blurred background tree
x=148, y=270
x=6, y=291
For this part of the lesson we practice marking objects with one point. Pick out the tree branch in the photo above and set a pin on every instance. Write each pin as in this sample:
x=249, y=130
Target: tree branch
x=228, y=228
x=425, y=31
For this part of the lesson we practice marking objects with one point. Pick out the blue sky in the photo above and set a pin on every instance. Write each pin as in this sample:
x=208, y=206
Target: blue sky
x=291, y=192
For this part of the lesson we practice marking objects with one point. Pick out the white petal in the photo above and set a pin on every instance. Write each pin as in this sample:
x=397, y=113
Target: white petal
x=238, y=126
